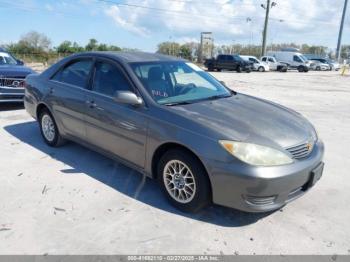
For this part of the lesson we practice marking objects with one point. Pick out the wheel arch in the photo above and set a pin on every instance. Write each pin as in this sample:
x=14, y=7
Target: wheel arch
x=163, y=148
x=39, y=108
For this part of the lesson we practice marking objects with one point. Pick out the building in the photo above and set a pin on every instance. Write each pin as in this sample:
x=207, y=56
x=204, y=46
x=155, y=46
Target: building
x=206, y=46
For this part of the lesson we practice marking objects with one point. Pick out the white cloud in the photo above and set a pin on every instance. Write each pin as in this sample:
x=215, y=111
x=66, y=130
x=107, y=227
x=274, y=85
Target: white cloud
x=128, y=22
x=49, y=7
x=227, y=19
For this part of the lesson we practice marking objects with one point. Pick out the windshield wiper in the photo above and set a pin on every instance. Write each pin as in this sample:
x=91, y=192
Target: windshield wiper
x=218, y=97
x=177, y=103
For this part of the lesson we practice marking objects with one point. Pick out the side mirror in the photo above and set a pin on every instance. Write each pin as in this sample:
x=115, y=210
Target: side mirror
x=127, y=97
x=20, y=62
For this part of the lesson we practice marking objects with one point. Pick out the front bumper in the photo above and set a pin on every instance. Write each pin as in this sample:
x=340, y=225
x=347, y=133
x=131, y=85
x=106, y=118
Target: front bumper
x=11, y=94
x=261, y=189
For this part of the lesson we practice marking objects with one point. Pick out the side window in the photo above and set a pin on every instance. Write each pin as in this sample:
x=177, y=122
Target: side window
x=75, y=74
x=271, y=60
x=108, y=79
x=230, y=58
x=222, y=57
x=263, y=59
x=297, y=59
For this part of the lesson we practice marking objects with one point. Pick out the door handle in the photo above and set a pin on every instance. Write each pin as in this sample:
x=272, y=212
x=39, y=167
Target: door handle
x=51, y=90
x=90, y=103
x=93, y=105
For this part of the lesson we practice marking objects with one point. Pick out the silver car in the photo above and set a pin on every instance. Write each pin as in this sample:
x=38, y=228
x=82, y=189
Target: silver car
x=170, y=120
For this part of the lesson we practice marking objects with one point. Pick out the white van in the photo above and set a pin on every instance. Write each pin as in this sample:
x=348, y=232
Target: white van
x=258, y=65
x=294, y=60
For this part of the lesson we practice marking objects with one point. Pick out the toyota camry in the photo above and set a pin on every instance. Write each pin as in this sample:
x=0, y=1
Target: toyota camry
x=174, y=122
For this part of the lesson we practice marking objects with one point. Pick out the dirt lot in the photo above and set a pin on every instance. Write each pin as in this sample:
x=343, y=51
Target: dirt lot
x=74, y=201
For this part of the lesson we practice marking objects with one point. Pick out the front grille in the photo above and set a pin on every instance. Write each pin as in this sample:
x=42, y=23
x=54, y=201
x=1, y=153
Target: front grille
x=13, y=82
x=260, y=201
x=300, y=151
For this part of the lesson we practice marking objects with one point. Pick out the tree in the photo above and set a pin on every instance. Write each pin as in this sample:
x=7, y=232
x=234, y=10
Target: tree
x=67, y=47
x=92, y=45
x=169, y=48
x=35, y=41
x=185, y=52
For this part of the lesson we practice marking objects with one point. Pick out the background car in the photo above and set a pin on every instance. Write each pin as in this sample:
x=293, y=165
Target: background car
x=295, y=60
x=258, y=65
x=228, y=62
x=12, y=75
x=333, y=65
x=274, y=64
x=319, y=66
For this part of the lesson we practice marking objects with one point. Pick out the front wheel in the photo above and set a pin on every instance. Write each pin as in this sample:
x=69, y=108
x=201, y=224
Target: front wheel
x=49, y=130
x=184, y=181
x=261, y=69
x=239, y=69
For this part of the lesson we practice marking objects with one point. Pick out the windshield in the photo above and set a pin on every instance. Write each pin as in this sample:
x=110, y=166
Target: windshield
x=7, y=60
x=303, y=58
x=178, y=82
x=237, y=58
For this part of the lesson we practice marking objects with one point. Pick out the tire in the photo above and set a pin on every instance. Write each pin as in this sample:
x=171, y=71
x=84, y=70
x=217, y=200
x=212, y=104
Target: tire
x=318, y=68
x=52, y=137
x=210, y=68
x=198, y=190
x=239, y=69
x=219, y=70
x=301, y=69
x=261, y=69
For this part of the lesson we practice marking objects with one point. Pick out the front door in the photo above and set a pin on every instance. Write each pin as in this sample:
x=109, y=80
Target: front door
x=116, y=128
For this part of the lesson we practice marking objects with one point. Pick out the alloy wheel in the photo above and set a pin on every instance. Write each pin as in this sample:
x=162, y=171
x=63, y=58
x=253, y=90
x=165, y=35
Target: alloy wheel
x=179, y=181
x=48, y=127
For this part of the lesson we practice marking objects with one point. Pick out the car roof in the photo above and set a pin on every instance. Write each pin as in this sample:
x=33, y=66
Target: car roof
x=133, y=56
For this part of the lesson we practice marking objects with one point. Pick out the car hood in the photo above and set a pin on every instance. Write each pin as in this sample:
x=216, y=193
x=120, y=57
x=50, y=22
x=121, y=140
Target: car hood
x=15, y=70
x=248, y=119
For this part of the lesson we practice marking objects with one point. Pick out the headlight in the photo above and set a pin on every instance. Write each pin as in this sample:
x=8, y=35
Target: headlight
x=314, y=136
x=255, y=154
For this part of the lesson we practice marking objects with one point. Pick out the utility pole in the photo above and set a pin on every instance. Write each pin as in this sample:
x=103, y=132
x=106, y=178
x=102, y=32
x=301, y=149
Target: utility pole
x=338, y=53
x=267, y=8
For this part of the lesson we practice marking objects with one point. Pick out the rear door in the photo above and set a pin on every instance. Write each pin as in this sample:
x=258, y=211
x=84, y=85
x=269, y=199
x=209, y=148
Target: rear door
x=114, y=127
x=231, y=63
x=67, y=95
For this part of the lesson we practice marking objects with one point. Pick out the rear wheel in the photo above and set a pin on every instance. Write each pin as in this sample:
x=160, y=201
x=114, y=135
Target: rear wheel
x=239, y=69
x=184, y=181
x=318, y=68
x=49, y=130
x=300, y=69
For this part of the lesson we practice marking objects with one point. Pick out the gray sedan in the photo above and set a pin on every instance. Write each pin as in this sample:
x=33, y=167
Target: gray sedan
x=170, y=120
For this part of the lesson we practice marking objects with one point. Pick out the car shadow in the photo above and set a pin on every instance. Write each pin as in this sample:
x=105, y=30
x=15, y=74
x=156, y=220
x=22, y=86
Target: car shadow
x=124, y=179
x=11, y=106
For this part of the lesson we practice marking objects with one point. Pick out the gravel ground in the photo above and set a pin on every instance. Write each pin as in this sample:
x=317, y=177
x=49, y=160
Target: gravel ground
x=71, y=200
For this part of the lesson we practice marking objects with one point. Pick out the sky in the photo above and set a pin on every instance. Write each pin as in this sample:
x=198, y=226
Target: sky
x=142, y=24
